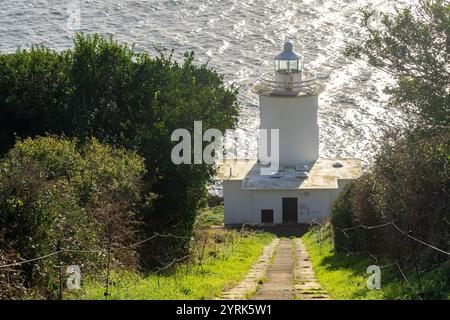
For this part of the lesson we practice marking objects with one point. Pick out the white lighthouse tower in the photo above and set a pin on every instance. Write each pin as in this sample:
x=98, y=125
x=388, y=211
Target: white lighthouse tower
x=288, y=99
x=304, y=187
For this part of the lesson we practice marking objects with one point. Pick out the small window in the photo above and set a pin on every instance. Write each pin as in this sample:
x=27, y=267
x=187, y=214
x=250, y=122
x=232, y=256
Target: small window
x=267, y=216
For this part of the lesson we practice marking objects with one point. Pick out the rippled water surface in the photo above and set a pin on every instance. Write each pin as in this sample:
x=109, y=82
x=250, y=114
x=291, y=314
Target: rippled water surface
x=239, y=38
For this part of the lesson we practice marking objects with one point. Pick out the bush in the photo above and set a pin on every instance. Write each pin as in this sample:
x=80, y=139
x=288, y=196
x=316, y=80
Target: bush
x=11, y=282
x=342, y=217
x=412, y=171
x=34, y=93
x=409, y=185
x=104, y=89
x=35, y=214
x=52, y=191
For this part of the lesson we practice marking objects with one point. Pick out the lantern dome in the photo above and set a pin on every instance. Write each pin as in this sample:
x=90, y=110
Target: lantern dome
x=288, y=61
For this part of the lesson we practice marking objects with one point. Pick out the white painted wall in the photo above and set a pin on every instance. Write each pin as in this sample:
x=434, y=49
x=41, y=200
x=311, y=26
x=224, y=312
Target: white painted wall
x=244, y=206
x=296, y=118
x=315, y=205
x=236, y=203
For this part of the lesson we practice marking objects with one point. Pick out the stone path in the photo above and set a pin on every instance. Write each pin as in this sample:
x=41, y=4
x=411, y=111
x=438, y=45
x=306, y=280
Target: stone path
x=279, y=276
x=289, y=275
x=254, y=276
x=305, y=283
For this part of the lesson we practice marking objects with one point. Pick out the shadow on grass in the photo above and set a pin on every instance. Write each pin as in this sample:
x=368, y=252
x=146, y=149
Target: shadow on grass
x=434, y=283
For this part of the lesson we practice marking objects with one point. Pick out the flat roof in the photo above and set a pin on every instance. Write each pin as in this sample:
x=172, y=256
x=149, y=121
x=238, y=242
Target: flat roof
x=321, y=175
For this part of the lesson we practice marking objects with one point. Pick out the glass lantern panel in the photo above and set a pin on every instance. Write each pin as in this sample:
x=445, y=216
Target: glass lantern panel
x=287, y=65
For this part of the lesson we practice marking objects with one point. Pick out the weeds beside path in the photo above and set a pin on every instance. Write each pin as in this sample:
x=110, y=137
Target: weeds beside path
x=227, y=261
x=344, y=276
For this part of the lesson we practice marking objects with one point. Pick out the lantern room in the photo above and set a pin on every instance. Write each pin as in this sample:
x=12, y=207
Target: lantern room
x=288, y=61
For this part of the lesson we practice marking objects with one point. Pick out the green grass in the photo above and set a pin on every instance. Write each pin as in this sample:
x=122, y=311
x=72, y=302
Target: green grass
x=344, y=277
x=209, y=217
x=187, y=281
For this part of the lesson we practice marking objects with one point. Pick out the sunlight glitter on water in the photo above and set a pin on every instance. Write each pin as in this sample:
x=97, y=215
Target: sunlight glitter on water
x=239, y=38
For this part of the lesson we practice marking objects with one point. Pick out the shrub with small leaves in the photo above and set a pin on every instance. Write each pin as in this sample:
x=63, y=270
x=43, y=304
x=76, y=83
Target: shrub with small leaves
x=83, y=197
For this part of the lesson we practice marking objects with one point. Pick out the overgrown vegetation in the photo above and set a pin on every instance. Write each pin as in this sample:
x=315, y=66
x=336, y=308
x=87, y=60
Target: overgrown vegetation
x=404, y=196
x=408, y=184
x=210, y=216
x=56, y=195
x=218, y=260
x=130, y=103
x=344, y=277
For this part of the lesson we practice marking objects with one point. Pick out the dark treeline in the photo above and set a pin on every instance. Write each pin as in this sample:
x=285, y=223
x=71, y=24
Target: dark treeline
x=130, y=103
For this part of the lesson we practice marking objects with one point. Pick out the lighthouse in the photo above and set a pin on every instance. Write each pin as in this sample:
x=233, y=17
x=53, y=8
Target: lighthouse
x=288, y=100
x=304, y=186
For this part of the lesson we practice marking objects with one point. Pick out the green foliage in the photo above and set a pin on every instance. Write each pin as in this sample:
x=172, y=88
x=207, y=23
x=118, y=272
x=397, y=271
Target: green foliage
x=209, y=217
x=53, y=191
x=342, y=217
x=109, y=172
x=34, y=93
x=104, y=89
x=413, y=47
x=412, y=174
x=344, y=277
x=229, y=257
x=408, y=184
x=435, y=284
x=34, y=214
x=408, y=181
x=58, y=158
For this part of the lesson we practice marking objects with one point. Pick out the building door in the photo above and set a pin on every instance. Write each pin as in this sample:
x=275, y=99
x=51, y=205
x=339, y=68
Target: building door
x=290, y=210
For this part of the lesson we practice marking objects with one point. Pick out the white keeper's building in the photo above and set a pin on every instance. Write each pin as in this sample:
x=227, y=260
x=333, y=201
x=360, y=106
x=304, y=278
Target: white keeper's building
x=305, y=186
